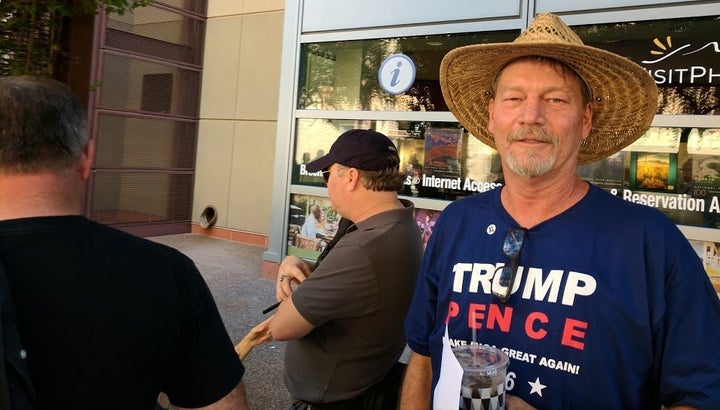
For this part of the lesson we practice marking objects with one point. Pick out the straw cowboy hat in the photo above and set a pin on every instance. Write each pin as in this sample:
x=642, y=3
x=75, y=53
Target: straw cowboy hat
x=624, y=95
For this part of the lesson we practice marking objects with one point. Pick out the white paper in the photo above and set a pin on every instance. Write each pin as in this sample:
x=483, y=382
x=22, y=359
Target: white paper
x=447, y=391
x=705, y=142
x=658, y=139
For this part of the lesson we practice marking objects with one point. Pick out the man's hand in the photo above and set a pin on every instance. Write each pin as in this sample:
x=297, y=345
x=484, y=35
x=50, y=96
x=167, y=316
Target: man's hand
x=516, y=403
x=292, y=271
x=256, y=336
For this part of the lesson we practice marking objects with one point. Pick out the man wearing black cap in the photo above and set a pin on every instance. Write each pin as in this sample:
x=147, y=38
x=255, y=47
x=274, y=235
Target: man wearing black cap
x=344, y=322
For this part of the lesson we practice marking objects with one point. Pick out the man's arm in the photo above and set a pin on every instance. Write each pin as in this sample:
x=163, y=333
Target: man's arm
x=256, y=336
x=415, y=393
x=291, y=272
x=288, y=323
x=235, y=400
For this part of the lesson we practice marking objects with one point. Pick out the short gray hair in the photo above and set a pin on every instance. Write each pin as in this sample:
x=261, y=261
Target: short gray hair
x=42, y=125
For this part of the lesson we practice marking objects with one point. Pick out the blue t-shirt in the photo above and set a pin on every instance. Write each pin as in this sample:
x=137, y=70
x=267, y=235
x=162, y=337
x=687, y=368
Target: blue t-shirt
x=611, y=307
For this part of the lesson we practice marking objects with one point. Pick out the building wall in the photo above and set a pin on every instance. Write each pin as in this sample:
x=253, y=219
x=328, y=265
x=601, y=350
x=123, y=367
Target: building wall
x=321, y=23
x=238, y=118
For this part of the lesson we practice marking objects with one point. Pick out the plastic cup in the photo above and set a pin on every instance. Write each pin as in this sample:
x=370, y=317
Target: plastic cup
x=483, y=381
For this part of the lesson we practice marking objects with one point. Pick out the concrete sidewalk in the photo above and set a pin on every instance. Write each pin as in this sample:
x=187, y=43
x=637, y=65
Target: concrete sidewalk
x=233, y=271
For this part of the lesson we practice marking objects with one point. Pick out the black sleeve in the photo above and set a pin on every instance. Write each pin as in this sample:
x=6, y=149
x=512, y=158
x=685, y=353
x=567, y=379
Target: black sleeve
x=207, y=368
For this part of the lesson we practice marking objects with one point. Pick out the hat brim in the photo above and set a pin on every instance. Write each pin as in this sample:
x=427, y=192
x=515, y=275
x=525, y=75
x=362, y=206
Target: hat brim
x=320, y=163
x=624, y=94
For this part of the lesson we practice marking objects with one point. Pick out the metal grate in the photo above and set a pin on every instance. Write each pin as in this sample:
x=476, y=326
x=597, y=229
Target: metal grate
x=124, y=197
x=131, y=84
x=145, y=117
x=161, y=33
x=193, y=6
x=140, y=142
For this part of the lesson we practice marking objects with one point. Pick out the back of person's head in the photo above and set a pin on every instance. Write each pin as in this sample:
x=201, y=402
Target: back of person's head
x=373, y=154
x=389, y=178
x=42, y=125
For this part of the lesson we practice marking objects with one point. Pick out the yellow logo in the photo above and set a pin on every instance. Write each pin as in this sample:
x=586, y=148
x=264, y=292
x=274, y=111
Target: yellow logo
x=661, y=46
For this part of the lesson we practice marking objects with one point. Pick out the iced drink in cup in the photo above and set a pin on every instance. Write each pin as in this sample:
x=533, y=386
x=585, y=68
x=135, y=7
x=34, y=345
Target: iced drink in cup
x=483, y=381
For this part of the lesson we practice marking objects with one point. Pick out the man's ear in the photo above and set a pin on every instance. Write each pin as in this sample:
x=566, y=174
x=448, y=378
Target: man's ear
x=587, y=120
x=86, y=159
x=491, y=120
x=353, y=178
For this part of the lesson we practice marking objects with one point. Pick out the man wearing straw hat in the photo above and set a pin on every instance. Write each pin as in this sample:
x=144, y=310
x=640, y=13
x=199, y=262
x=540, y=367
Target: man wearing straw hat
x=598, y=302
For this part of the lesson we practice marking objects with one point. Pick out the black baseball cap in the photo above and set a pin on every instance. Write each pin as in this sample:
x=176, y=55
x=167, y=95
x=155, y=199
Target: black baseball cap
x=367, y=150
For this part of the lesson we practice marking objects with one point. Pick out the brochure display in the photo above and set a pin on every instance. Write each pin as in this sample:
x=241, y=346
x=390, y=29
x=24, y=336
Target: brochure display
x=448, y=163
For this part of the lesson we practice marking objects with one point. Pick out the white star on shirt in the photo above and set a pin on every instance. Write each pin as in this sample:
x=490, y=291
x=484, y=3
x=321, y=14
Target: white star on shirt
x=536, y=387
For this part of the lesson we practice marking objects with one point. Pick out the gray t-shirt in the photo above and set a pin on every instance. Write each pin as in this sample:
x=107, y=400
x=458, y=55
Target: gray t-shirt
x=357, y=299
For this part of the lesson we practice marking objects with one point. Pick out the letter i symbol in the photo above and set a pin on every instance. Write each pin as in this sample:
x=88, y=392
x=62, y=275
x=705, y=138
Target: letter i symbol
x=395, y=73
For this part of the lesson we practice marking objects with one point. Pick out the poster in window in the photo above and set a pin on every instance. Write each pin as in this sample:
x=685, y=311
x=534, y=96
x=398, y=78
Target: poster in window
x=711, y=261
x=412, y=155
x=443, y=152
x=426, y=219
x=653, y=171
x=705, y=187
x=607, y=173
x=312, y=225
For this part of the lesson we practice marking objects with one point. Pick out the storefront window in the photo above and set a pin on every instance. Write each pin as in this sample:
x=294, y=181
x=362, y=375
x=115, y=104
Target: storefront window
x=344, y=75
x=682, y=56
x=441, y=160
x=681, y=181
x=313, y=224
x=674, y=169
